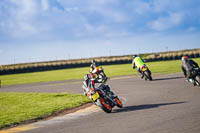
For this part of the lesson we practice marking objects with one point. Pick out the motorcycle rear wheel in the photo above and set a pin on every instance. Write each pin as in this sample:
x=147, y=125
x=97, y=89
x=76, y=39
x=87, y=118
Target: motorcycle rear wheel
x=148, y=75
x=197, y=80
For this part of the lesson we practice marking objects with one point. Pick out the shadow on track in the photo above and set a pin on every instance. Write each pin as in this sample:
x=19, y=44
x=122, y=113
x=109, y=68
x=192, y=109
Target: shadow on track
x=167, y=78
x=142, y=107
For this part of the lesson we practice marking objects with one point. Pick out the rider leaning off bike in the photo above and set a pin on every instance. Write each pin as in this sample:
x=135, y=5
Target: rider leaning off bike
x=96, y=75
x=138, y=63
x=97, y=72
x=188, y=66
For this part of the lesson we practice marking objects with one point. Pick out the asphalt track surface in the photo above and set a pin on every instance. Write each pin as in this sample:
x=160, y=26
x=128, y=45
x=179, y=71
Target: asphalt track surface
x=168, y=104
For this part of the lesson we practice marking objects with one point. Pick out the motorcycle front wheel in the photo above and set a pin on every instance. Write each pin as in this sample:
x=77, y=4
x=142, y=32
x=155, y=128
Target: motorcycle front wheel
x=104, y=106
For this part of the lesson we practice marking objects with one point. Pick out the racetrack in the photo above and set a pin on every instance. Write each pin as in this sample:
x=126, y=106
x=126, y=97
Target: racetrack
x=168, y=104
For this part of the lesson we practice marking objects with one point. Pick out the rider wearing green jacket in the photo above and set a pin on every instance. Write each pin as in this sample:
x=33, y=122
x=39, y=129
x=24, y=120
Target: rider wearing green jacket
x=138, y=63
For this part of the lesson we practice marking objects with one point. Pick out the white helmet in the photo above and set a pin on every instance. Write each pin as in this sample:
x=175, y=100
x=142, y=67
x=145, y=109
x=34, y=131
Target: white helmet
x=134, y=56
x=93, y=61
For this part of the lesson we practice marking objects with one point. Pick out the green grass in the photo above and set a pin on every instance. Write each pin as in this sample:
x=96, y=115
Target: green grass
x=161, y=67
x=18, y=107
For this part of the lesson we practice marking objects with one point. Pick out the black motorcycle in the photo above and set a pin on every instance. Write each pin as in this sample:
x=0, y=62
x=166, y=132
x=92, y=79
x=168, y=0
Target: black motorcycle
x=146, y=72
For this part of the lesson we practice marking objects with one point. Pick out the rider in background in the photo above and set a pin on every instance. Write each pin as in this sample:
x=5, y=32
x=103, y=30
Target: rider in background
x=187, y=66
x=138, y=63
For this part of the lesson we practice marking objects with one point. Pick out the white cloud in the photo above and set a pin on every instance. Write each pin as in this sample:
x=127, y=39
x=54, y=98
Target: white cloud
x=176, y=18
x=113, y=16
x=95, y=29
x=18, y=22
x=104, y=8
x=81, y=16
x=118, y=16
x=191, y=29
x=101, y=3
x=141, y=7
x=24, y=7
x=71, y=9
x=78, y=18
x=45, y=4
x=161, y=5
x=24, y=29
x=165, y=23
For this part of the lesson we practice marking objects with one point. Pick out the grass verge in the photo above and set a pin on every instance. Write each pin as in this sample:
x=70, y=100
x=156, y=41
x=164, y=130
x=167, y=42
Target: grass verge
x=19, y=107
x=161, y=67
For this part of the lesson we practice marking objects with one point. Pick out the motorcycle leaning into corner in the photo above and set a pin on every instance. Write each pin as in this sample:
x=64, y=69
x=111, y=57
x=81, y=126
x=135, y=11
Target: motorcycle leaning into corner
x=101, y=96
x=146, y=72
x=138, y=63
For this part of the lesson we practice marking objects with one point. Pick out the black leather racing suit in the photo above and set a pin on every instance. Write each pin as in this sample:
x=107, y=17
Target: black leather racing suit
x=188, y=66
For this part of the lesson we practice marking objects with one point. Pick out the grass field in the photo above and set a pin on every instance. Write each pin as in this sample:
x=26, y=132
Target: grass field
x=160, y=67
x=18, y=107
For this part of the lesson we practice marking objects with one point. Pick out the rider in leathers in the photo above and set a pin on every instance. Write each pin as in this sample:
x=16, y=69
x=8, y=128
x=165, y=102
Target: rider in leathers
x=187, y=66
x=97, y=73
x=138, y=63
x=89, y=87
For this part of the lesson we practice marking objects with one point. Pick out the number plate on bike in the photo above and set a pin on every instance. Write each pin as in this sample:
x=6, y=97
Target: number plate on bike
x=144, y=69
x=95, y=96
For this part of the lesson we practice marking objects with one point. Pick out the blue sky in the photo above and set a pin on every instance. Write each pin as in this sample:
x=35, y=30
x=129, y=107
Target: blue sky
x=42, y=30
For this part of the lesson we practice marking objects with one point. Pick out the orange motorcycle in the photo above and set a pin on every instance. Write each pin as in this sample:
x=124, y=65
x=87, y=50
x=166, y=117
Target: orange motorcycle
x=103, y=97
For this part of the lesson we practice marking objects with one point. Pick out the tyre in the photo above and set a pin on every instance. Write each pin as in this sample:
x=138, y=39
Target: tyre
x=119, y=103
x=150, y=78
x=197, y=80
x=148, y=75
x=104, y=106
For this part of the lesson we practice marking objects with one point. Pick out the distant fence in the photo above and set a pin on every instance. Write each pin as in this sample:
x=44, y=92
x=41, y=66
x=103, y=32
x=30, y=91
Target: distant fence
x=86, y=64
x=172, y=57
x=57, y=67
